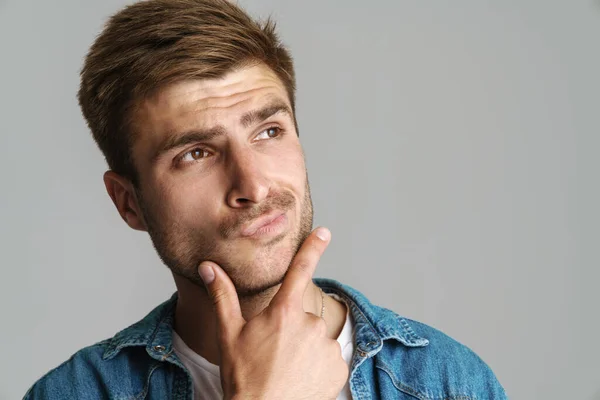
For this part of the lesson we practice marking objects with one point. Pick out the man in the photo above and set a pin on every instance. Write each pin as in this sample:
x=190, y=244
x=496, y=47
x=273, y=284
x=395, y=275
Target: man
x=192, y=104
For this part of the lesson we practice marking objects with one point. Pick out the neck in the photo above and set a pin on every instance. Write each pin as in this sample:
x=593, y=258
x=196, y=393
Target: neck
x=195, y=319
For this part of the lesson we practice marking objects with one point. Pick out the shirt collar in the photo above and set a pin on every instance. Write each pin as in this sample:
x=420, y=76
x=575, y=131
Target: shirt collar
x=154, y=331
x=373, y=325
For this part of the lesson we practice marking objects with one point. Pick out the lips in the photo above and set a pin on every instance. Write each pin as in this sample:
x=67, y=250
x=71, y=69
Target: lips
x=258, y=223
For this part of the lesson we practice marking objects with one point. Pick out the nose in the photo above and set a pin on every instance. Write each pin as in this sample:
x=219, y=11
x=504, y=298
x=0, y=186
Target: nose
x=249, y=182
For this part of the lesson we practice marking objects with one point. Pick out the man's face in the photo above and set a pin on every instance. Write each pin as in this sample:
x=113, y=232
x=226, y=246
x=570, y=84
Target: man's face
x=214, y=157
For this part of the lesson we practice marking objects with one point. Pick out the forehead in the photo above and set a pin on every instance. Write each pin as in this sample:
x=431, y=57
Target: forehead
x=200, y=101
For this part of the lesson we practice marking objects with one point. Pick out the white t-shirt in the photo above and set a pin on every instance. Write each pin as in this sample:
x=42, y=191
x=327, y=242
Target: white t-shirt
x=207, y=378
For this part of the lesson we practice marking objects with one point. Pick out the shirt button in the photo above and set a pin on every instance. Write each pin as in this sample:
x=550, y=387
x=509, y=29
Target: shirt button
x=362, y=353
x=159, y=348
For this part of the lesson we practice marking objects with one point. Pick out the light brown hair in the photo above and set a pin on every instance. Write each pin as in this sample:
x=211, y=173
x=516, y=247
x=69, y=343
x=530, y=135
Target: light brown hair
x=156, y=42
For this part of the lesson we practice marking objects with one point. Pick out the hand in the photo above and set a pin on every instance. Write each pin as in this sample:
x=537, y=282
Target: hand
x=283, y=352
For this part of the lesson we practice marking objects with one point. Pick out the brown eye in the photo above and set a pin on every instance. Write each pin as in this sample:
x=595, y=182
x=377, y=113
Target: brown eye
x=269, y=133
x=197, y=153
x=194, y=155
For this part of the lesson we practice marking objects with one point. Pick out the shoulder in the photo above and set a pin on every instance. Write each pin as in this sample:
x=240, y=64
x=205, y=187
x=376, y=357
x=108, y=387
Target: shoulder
x=73, y=379
x=99, y=372
x=444, y=365
x=114, y=367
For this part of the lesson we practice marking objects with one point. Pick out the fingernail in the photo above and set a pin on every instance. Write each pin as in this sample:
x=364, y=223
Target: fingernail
x=206, y=273
x=323, y=234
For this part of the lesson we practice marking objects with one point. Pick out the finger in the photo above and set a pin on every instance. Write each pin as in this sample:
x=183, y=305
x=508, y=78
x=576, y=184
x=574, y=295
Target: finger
x=225, y=301
x=302, y=268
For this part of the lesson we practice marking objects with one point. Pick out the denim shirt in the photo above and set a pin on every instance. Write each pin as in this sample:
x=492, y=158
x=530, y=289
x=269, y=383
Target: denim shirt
x=394, y=358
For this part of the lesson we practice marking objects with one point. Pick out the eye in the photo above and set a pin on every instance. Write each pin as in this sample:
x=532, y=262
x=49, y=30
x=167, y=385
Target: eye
x=195, y=154
x=270, y=133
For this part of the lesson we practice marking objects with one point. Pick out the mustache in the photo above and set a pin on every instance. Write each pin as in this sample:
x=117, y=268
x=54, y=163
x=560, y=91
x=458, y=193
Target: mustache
x=232, y=224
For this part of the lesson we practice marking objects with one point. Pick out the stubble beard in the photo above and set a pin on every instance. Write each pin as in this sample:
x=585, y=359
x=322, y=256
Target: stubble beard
x=182, y=252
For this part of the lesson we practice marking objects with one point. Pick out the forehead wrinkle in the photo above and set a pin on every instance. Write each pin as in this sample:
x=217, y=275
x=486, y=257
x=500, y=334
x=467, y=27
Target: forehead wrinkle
x=231, y=101
x=217, y=90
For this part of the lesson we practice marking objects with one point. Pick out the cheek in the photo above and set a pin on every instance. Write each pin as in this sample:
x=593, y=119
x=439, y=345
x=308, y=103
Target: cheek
x=290, y=163
x=185, y=204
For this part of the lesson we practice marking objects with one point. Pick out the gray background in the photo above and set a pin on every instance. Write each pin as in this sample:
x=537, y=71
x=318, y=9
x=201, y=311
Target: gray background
x=452, y=151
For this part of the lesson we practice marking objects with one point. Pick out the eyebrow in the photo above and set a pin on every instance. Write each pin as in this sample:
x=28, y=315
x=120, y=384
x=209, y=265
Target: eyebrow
x=175, y=140
x=257, y=116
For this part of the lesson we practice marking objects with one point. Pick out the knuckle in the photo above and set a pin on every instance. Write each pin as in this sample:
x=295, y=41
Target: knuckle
x=282, y=313
x=335, y=348
x=319, y=326
x=344, y=372
x=303, y=266
x=340, y=370
x=336, y=352
x=219, y=296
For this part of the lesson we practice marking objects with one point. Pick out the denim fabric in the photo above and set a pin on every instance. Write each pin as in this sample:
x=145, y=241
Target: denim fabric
x=394, y=358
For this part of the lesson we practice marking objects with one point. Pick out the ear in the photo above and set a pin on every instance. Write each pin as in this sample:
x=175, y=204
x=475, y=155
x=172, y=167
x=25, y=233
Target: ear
x=123, y=195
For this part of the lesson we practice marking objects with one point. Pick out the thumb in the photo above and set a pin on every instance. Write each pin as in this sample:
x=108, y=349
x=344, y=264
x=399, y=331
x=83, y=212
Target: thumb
x=225, y=302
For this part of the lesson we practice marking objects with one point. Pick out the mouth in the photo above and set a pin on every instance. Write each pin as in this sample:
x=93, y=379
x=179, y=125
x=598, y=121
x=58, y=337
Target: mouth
x=267, y=224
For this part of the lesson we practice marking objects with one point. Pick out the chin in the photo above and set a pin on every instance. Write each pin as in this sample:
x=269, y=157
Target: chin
x=253, y=272
x=255, y=278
